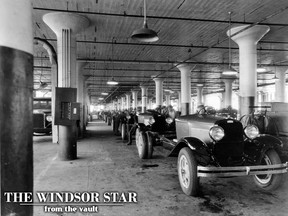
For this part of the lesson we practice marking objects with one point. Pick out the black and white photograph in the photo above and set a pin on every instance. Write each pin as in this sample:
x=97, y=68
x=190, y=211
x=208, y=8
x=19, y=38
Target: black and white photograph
x=144, y=107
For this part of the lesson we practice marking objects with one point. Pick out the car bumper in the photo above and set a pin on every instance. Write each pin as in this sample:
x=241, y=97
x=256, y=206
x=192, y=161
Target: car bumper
x=241, y=170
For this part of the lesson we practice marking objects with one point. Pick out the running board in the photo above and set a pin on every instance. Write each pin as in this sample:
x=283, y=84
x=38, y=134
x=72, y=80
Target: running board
x=241, y=170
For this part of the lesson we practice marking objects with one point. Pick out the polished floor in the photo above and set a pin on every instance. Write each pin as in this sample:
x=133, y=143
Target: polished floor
x=106, y=164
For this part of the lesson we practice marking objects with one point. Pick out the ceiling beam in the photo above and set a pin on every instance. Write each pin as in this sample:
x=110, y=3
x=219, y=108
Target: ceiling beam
x=156, y=17
x=176, y=45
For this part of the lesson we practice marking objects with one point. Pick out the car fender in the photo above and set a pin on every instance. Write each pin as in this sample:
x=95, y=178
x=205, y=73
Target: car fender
x=266, y=142
x=141, y=126
x=200, y=149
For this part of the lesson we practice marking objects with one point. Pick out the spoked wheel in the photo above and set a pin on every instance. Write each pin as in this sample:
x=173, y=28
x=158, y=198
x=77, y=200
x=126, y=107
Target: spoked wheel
x=124, y=132
x=187, y=172
x=141, y=143
x=269, y=181
x=150, y=144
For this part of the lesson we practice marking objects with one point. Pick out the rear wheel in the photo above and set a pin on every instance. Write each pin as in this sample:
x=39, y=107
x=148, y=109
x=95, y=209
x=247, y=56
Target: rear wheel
x=141, y=143
x=150, y=144
x=269, y=181
x=187, y=172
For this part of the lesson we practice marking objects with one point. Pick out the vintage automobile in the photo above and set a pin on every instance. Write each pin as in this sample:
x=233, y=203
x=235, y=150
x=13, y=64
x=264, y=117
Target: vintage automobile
x=42, y=118
x=154, y=126
x=127, y=123
x=213, y=146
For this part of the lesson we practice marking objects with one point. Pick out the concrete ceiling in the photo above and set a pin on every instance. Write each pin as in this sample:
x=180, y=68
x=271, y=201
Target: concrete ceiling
x=189, y=30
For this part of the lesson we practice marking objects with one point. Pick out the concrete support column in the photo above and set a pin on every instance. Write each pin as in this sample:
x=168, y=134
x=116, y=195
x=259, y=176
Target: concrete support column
x=168, y=99
x=228, y=92
x=128, y=101
x=159, y=91
x=135, y=99
x=66, y=26
x=16, y=97
x=123, y=103
x=280, y=86
x=151, y=103
x=199, y=90
x=144, y=95
x=119, y=103
x=179, y=101
x=247, y=41
x=185, y=70
x=80, y=95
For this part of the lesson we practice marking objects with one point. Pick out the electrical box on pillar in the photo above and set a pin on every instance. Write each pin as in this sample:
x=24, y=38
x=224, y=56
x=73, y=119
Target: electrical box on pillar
x=66, y=109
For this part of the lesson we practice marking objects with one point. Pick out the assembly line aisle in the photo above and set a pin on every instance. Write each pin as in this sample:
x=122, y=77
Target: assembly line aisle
x=106, y=164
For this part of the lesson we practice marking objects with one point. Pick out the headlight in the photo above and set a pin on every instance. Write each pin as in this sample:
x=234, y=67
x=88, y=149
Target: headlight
x=216, y=133
x=251, y=131
x=169, y=120
x=49, y=118
x=151, y=120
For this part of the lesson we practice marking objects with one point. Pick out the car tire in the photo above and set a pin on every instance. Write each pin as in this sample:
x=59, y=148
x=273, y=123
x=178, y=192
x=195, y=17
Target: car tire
x=270, y=181
x=187, y=172
x=124, y=132
x=150, y=144
x=141, y=144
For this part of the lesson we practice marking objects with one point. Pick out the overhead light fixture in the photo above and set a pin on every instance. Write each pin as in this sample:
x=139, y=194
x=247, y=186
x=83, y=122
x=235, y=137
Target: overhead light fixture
x=112, y=82
x=261, y=69
x=145, y=34
x=104, y=93
x=275, y=78
x=230, y=71
x=100, y=98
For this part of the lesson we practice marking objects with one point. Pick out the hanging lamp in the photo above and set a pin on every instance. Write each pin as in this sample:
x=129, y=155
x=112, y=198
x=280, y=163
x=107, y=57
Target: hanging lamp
x=112, y=81
x=230, y=70
x=145, y=34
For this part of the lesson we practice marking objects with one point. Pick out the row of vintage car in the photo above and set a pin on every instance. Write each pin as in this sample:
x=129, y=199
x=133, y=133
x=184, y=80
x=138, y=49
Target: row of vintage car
x=207, y=144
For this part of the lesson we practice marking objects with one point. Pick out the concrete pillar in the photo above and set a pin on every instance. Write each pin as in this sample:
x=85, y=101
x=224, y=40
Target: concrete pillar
x=179, y=101
x=228, y=91
x=16, y=96
x=135, y=99
x=247, y=41
x=123, y=103
x=185, y=70
x=144, y=95
x=66, y=26
x=150, y=103
x=159, y=91
x=280, y=86
x=128, y=101
x=199, y=90
x=168, y=99
x=80, y=95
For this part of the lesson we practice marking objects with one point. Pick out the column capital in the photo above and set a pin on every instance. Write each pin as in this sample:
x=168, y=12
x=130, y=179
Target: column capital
x=228, y=80
x=59, y=20
x=184, y=66
x=246, y=33
x=158, y=79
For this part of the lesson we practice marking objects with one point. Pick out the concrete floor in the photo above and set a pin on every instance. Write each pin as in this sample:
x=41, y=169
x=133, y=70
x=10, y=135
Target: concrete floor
x=105, y=163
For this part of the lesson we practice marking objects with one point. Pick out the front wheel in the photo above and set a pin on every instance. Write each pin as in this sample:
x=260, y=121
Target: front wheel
x=141, y=143
x=187, y=172
x=269, y=181
x=150, y=144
